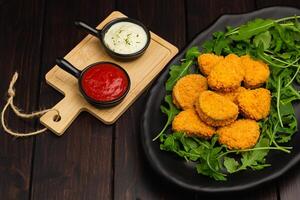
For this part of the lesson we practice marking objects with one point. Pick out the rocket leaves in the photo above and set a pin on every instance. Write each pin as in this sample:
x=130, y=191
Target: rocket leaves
x=262, y=38
x=277, y=43
x=178, y=71
x=171, y=111
x=252, y=28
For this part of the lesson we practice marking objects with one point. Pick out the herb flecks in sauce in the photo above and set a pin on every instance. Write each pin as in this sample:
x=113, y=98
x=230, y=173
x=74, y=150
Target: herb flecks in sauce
x=125, y=38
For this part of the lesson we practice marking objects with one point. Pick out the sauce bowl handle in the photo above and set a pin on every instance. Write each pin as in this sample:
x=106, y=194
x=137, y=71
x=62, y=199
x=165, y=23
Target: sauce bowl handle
x=68, y=67
x=87, y=28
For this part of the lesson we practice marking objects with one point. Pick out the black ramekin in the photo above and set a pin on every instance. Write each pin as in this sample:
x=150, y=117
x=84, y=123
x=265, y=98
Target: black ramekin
x=101, y=33
x=68, y=67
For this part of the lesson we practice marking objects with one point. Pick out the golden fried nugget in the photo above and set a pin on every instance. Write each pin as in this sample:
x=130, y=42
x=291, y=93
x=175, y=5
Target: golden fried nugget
x=207, y=61
x=255, y=104
x=215, y=110
x=227, y=75
x=187, y=89
x=188, y=121
x=256, y=72
x=236, y=62
x=241, y=134
x=232, y=96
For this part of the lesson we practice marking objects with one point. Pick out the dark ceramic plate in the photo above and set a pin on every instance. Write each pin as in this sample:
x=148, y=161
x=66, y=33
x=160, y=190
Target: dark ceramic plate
x=182, y=173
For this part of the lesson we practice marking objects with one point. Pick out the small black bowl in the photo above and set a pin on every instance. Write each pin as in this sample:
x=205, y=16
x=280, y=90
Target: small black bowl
x=101, y=33
x=68, y=67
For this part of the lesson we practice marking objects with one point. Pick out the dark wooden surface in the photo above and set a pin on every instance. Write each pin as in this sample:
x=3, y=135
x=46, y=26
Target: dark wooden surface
x=92, y=160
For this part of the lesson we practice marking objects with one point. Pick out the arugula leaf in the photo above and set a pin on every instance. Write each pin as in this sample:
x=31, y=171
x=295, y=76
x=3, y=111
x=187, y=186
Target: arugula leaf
x=188, y=143
x=192, y=53
x=297, y=24
x=208, y=46
x=171, y=112
x=205, y=169
x=176, y=72
x=221, y=45
x=289, y=120
x=264, y=38
x=276, y=43
x=285, y=36
x=210, y=164
x=255, y=159
x=170, y=144
x=231, y=164
x=252, y=28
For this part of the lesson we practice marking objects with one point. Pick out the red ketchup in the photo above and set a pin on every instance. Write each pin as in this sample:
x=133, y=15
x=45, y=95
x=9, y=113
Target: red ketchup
x=104, y=82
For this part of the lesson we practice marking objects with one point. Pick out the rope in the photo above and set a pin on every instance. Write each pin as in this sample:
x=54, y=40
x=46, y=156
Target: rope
x=10, y=103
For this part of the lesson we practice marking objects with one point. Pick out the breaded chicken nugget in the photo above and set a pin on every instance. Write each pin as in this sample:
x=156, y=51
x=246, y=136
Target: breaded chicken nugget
x=255, y=104
x=227, y=75
x=256, y=72
x=187, y=121
x=241, y=134
x=215, y=110
x=232, y=96
x=236, y=62
x=187, y=89
x=207, y=61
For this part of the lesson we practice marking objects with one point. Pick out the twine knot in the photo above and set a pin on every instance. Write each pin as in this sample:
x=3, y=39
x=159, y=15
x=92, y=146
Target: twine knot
x=10, y=103
x=11, y=91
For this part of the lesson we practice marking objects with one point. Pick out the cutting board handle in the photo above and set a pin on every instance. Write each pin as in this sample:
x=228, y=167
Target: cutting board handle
x=68, y=111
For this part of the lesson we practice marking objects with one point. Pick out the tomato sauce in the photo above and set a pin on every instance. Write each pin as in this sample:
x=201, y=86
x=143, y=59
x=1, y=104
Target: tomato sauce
x=104, y=82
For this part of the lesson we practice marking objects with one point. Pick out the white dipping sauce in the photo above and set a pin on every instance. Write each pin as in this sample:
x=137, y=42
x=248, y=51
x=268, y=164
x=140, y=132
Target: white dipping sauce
x=125, y=38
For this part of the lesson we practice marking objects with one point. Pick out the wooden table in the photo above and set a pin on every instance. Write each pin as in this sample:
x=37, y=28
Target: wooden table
x=93, y=160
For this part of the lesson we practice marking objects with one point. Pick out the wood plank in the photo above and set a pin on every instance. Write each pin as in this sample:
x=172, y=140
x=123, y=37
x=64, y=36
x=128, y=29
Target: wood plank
x=161, y=17
x=77, y=165
x=289, y=184
x=261, y=193
x=267, y=3
x=200, y=15
x=21, y=30
x=134, y=178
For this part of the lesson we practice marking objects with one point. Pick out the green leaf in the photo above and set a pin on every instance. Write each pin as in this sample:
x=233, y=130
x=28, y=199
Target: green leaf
x=171, y=111
x=220, y=43
x=297, y=24
x=208, y=46
x=231, y=164
x=220, y=46
x=213, y=141
x=252, y=28
x=286, y=109
x=176, y=72
x=254, y=159
x=286, y=36
x=192, y=53
x=277, y=42
x=170, y=144
x=203, y=168
x=188, y=143
x=264, y=38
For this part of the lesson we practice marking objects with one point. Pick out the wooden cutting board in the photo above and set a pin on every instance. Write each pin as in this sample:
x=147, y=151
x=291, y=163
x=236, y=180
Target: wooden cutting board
x=141, y=71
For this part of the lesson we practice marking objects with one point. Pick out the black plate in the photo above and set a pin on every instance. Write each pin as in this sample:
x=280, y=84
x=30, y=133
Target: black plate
x=182, y=173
